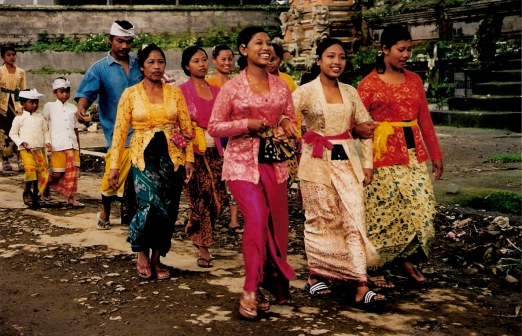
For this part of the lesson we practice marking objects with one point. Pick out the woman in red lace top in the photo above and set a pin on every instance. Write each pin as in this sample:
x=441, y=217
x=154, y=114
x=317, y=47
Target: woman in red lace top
x=400, y=205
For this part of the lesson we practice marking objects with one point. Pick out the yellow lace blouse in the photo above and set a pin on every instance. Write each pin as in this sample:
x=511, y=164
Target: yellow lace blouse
x=134, y=109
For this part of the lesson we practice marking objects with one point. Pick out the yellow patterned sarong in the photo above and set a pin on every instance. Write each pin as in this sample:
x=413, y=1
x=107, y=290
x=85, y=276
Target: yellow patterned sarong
x=35, y=163
x=105, y=188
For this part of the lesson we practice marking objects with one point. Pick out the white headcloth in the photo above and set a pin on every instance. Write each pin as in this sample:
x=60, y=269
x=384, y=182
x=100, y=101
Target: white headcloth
x=117, y=30
x=30, y=94
x=61, y=83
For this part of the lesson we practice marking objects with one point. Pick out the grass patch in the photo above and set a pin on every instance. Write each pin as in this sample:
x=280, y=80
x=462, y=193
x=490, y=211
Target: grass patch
x=487, y=199
x=506, y=157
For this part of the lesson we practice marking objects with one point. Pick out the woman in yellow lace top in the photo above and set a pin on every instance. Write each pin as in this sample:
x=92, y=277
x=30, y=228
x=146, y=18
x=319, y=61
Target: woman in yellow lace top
x=158, y=114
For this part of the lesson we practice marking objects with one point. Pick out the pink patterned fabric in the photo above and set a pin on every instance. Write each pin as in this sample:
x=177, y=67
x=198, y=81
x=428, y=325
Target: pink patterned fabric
x=234, y=105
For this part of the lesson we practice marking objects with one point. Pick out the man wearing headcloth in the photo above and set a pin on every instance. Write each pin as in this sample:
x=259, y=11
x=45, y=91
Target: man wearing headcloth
x=106, y=80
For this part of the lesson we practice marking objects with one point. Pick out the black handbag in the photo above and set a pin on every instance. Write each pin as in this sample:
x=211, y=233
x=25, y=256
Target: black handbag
x=271, y=151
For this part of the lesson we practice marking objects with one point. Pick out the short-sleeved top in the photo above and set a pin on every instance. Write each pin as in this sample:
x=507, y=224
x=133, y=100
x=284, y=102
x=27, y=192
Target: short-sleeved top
x=234, y=105
x=61, y=118
x=106, y=80
x=398, y=103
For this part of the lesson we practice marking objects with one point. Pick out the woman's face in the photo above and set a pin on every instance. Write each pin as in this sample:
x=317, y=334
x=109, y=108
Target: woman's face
x=258, y=50
x=273, y=65
x=154, y=66
x=9, y=57
x=198, y=65
x=399, y=53
x=224, y=61
x=332, y=61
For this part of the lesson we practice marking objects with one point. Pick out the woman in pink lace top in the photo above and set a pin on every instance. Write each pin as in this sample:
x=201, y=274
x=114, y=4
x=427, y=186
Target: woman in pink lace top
x=249, y=103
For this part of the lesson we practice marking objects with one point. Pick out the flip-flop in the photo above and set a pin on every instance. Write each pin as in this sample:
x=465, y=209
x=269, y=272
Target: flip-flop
x=102, y=224
x=314, y=289
x=143, y=267
x=370, y=301
x=235, y=230
x=76, y=204
x=380, y=281
x=161, y=273
x=208, y=263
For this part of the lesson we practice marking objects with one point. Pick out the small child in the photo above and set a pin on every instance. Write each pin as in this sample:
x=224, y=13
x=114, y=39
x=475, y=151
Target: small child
x=65, y=158
x=12, y=80
x=30, y=134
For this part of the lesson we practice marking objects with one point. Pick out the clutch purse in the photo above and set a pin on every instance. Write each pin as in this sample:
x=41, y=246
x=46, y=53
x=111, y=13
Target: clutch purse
x=271, y=151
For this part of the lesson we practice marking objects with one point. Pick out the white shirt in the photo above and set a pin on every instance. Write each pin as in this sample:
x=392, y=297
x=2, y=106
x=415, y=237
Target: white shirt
x=62, y=122
x=31, y=128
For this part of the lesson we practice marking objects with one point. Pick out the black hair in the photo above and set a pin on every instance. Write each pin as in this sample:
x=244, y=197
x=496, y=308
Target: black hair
x=187, y=55
x=389, y=37
x=243, y=38
x=144, y=52
x=315, y=70
x=220, y=47
x=279, y=51
x=6, y=48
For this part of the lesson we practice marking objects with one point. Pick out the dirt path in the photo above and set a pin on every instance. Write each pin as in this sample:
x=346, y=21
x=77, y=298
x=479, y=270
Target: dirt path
x=59, y=275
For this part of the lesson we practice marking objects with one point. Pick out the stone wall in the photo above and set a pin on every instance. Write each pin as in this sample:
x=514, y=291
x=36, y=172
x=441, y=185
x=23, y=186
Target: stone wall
x=23, y=24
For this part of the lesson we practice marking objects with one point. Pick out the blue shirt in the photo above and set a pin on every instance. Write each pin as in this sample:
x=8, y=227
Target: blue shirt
x=106, y=80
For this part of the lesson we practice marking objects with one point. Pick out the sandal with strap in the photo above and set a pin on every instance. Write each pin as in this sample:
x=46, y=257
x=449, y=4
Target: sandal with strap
x=381, y=282
x=102, y=224
x=248, y=307
x=235, y=230
x=144, y=271
x=263, y=303
x=370, y=301
x=161, y=272
x=319, y=286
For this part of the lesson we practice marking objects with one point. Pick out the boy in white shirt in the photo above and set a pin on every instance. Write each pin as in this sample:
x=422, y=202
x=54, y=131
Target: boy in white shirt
x=30, y=134
x=65, y=158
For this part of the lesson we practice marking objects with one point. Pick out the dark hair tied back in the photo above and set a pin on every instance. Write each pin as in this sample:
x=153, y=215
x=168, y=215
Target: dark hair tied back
x=389, y=37
x=145, y=51
x=187, y=55
x=220, y=47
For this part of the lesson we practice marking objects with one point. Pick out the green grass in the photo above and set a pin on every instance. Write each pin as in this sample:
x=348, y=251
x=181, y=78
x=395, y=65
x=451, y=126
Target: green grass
x=506, y=157
x=486, y=199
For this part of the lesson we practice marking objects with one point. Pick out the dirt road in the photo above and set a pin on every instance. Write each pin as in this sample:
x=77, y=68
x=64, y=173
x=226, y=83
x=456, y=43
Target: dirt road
x=59, y=275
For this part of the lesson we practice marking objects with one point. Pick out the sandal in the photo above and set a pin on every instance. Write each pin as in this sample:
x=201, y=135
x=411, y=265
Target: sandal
x=263, y=303
x=161, y=272
x=102, y=224
x=235, y=230
x=205, y=263
x=248, y=307
x=28, y=198
x=319, y=286
x=380, y=281
x=75, y=204
x=413, y=273
x=144, y=271
x=7, y=166
x=370, y=301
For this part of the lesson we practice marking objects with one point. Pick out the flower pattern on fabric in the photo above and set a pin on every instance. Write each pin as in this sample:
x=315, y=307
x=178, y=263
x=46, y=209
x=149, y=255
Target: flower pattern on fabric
x=134, y=109
x=400, y=209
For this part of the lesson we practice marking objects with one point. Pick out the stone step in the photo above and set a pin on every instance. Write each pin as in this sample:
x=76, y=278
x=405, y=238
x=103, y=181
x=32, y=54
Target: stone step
x=480, y=119
x=498, y=88
x=513, y=64
x=512, y=75
x=485, y=103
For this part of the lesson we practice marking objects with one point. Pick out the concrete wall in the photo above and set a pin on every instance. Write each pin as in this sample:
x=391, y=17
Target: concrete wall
x=85, y=20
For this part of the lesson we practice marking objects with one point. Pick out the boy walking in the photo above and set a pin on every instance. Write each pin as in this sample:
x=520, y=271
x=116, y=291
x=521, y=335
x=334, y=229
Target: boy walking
x=30, y=134
x=65, y=141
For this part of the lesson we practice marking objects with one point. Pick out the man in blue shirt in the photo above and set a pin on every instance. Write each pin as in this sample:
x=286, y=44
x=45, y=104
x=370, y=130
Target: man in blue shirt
x=106, y=80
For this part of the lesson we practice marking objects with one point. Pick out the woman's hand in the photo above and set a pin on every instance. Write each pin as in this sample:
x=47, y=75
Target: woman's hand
x=365, y=130
x=289, y=128
x=114, y=175
x=437, y=168
x=256, y=125
x=189, y=171
x=368, y=176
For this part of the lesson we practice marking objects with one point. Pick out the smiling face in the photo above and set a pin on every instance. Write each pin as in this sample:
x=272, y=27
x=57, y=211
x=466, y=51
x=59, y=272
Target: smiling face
x=224, y=61
x=397, y=56
x=154, y=66
x=198, y=65
x=120, y=46
x=332, y=61
x=258, y=50
x=63, y=94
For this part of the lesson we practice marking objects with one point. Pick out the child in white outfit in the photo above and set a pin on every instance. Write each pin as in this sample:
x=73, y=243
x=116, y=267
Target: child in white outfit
x=65, y=158
x=30, y=134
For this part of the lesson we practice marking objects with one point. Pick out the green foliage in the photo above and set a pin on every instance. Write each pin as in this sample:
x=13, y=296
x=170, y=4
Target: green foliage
x=506, y=157
x=48, y=71
x=501, y=201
